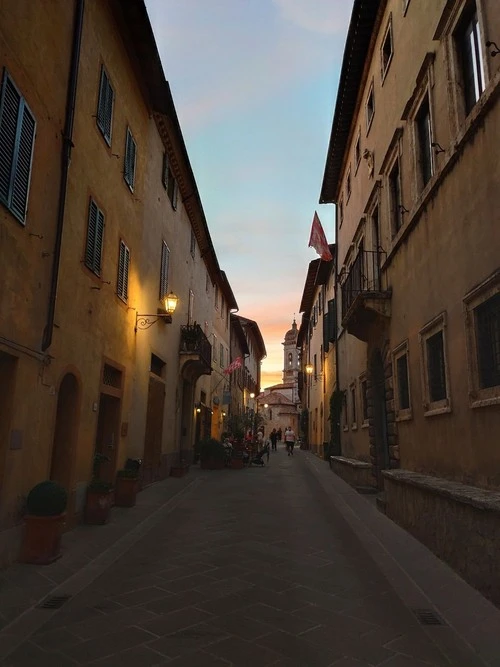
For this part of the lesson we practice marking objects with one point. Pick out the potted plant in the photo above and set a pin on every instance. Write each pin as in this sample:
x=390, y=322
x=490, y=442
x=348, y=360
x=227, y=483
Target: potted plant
x=212, y=454
x=44, y=523
x=99, y=494
x=180, y=469
x=127, y=483
x=237, y=462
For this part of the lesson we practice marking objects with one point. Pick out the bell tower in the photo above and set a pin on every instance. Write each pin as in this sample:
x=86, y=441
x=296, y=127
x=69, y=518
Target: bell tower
x=291, y=357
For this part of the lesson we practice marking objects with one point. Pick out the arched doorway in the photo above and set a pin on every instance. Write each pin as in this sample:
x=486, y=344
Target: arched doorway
x=65, y=432
x=380, y=440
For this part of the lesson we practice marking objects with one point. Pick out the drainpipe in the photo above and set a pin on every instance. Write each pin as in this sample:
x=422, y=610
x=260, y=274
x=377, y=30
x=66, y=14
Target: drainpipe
x=337, y=355
x=65, y=162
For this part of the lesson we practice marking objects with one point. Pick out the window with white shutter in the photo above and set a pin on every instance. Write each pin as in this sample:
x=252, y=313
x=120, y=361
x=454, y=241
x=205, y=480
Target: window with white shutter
x=17, y=138
x=105, y=106
x=95, y=234
x=129, y=164
x=165, y=260
x=123, y=269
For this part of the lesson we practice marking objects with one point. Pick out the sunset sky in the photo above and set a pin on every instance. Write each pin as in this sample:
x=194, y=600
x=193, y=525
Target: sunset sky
x=254, y=85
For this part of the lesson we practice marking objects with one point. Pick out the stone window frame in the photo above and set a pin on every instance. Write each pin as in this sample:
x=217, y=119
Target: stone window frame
x=394, y=153
x=432, y=408
x=370, y=97
x=406, y=4
x=446, y=32
x=402, y=414
x=348, y=185
x=345, y=413
x=354, y=408
x=357, y=152
x=363, y=380
x=478, y=397
x=424, y=89
x=388, y=34
x=340, y=209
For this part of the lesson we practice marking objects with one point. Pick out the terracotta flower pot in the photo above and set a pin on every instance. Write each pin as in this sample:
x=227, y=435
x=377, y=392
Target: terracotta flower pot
x=42, y=539
x=98, y=506
x=126, y=491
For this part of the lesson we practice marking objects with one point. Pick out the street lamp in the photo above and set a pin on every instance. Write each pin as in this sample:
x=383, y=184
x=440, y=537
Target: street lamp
x=144, y=321
x=309, y=369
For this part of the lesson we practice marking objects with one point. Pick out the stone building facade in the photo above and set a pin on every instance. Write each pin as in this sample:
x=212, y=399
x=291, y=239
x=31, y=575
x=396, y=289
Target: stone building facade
x=412, y=169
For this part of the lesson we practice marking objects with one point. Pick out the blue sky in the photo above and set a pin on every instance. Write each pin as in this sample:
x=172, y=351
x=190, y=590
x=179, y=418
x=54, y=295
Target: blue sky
x=254, y=84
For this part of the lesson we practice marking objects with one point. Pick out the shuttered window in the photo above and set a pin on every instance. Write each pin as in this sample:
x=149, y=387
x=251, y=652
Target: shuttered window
x=169, y=182
x=129, y=165
x=105, y=106
x=95, y=233
x=123, y=268
x=165, y=260
x=17, y=138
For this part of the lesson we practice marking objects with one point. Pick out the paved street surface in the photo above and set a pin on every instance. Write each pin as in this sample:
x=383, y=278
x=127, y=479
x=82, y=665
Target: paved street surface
x=284, y=566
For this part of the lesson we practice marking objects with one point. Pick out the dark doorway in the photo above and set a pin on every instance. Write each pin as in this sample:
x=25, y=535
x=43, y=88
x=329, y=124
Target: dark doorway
x=65, y=432
x=379, y=417
x=108, y=434
x=8, y=366
x=151, y=469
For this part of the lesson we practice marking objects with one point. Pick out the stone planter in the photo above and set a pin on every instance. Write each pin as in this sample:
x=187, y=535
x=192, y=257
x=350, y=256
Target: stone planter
x=126, y=491
x=42, y=539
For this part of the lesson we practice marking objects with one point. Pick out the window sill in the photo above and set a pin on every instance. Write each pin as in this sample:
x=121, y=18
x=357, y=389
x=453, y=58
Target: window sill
x=345, y=429
x=484, y=401
x=354, y=427
x=434, y=411
x=403, y=415
x=365, y=424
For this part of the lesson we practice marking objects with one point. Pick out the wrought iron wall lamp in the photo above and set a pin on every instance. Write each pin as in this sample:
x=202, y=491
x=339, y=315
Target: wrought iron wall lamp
x=144, y=321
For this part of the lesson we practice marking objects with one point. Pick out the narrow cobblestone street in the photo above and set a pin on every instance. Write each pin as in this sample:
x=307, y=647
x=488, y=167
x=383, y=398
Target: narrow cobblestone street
x=253, y=568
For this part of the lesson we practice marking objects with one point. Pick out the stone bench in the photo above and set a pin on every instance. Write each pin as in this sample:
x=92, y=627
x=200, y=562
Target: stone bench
x=459, y=523
x=356, y=473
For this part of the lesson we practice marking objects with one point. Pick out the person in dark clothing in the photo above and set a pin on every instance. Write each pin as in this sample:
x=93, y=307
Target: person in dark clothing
x=273, y=437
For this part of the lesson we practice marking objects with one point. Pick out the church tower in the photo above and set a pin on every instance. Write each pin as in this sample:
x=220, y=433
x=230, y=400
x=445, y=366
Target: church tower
x=291, y=359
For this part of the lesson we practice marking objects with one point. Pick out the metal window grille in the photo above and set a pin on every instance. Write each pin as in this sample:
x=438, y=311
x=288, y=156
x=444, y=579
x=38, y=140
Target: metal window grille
x=95, y=233
x=436, y=371
x=123, y=271
x=487, y=319
x=17, y=138
x=105, y=106
x=111, y=376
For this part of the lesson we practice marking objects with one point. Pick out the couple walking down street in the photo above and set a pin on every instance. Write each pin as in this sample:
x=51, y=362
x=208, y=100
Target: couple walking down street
x=289, y=440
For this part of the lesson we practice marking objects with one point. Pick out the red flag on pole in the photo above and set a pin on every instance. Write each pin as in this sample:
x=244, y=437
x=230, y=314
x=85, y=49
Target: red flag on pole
x=237, y=363
x=318, y=241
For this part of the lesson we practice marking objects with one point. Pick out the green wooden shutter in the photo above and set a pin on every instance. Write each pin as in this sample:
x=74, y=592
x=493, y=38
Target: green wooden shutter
x=326, y=332
x=10, y=103
x=123, y=271
x=17, y=137
x=165, y=259
x=22, y=173
x=95, y=232
x=129, y=165
x=332, y=321
x=105, y=106
x=175, y=194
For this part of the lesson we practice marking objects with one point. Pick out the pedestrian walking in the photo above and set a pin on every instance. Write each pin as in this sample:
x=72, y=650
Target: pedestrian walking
x=274, y=439
x=289, y=440
x=280, y=433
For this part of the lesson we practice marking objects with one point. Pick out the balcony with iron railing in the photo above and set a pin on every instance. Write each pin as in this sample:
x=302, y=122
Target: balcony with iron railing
x=365, y=297
x=195, y=345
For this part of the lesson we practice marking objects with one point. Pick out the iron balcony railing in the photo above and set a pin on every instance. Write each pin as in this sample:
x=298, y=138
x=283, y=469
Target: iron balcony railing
x=364, y=276
x=194, y=341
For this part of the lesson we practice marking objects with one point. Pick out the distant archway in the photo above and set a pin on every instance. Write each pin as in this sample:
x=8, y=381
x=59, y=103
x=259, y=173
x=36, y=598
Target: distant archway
x=65, y=432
